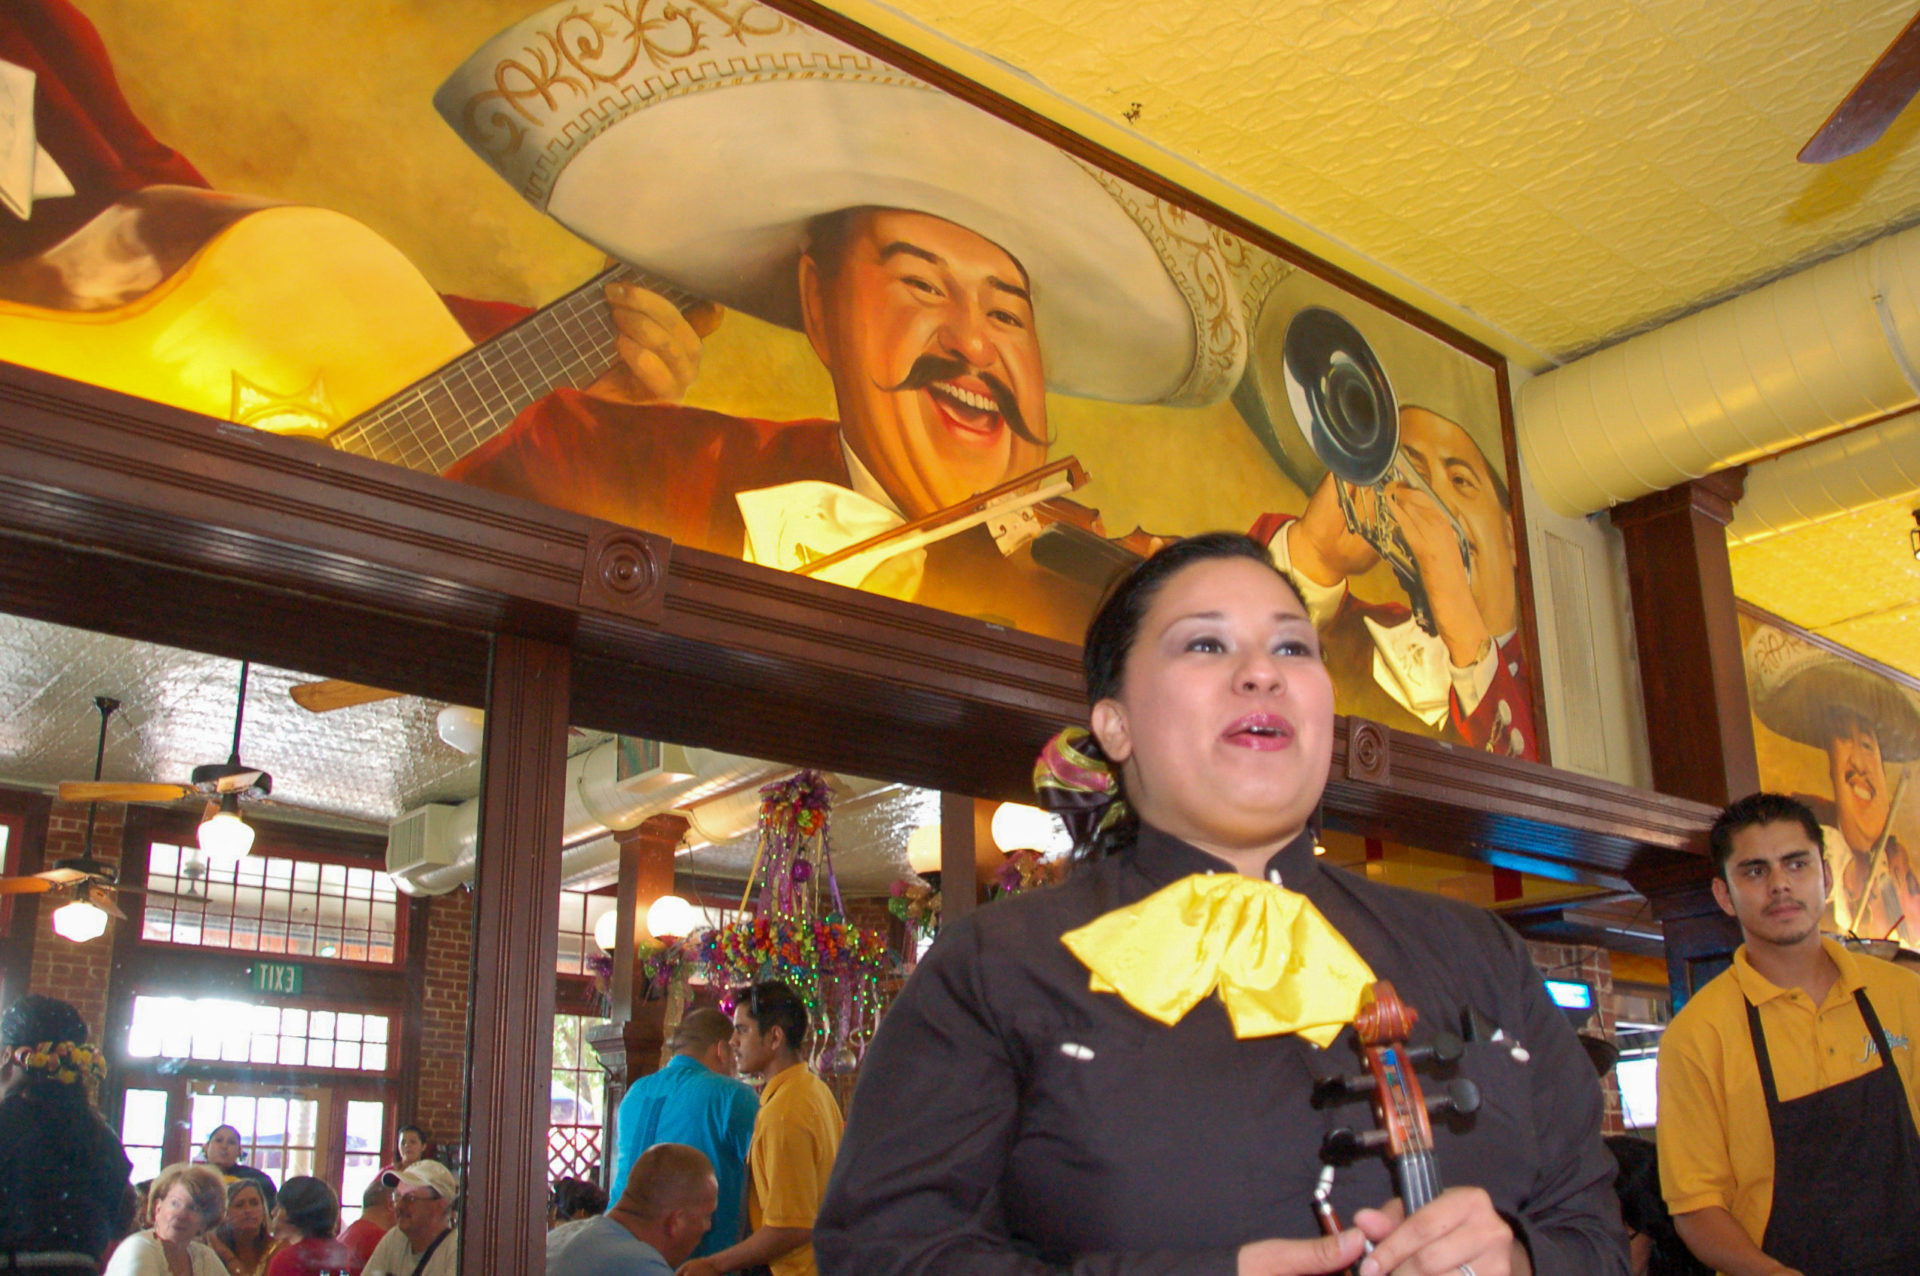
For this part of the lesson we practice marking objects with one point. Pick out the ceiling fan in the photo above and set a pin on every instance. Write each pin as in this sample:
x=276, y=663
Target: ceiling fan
x=223, y=834
x=90, y=884
x=1866, y=112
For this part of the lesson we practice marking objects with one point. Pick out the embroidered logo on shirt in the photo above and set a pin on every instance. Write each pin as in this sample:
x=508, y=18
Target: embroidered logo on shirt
x=1894, y=1039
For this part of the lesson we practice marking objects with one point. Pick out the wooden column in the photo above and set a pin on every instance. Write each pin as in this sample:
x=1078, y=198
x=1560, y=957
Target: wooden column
x=1694, y=683
x=1699, y=729
x=647, y=853
x=959, y=879
x=516, y=935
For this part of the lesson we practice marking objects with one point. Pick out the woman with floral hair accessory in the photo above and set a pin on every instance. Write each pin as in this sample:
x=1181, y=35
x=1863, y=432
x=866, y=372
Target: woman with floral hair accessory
x=1117, y=1075
x=63, y=1176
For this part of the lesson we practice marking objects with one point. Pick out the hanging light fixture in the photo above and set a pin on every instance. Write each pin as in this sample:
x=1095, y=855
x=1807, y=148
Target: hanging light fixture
x=923, y=853
x=1019, y=827
x=80, y=921
x=606, y=931
x=224, y=836
x=671, y=917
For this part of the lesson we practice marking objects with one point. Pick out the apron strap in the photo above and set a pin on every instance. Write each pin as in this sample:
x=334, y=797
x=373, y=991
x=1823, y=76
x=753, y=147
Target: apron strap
x=1873, y=1027
x=1760, y=1055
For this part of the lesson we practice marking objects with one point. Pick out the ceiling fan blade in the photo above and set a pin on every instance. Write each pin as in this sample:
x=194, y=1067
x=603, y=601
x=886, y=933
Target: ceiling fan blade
x=1864, y=114
x=101, y=897
x=325, y=697
x=24, y=885
x=113, y=791
x=239, y=782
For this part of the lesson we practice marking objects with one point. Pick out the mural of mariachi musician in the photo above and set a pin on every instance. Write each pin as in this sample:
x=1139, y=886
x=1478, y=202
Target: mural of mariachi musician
x=956, y=277
x=854, y=327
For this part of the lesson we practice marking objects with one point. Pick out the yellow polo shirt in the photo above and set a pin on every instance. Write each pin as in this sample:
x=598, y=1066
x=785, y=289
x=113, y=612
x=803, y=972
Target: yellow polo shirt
x=791, y=1157
x=1716, y=1145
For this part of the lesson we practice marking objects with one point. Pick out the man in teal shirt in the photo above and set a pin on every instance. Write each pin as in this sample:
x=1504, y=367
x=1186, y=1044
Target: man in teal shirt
x=694, y=1100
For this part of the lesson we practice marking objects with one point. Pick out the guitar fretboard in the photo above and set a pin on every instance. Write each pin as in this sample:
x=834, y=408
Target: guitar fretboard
x=448, y=413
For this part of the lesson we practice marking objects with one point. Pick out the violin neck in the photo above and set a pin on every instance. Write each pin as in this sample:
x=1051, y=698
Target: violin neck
x=1416, y=1174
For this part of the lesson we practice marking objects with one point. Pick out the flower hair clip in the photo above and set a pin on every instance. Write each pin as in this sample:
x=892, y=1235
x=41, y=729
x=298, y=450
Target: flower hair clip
x=65, y=1062
x=1074, y=780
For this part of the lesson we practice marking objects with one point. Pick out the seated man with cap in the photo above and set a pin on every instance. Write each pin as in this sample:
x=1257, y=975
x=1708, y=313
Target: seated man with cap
x=423, y=1240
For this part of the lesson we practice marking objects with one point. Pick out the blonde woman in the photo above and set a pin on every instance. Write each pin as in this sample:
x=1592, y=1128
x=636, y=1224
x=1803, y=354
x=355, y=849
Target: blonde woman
x=187, y=1200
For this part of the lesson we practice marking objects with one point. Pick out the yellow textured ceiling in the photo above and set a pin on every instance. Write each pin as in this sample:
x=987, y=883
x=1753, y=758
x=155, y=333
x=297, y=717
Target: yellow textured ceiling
x=1554, y=174
x=1852, y=579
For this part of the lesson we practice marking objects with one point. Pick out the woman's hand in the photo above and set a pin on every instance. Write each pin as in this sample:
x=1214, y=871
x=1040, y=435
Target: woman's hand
x=1457, y=1230
x=1317, y=1257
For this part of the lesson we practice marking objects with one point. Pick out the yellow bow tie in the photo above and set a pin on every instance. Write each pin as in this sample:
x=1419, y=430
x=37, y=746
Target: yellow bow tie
x=1279, y=965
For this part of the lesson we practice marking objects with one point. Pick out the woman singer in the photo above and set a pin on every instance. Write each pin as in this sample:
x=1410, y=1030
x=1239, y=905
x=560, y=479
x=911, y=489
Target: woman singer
x=1012, y=1120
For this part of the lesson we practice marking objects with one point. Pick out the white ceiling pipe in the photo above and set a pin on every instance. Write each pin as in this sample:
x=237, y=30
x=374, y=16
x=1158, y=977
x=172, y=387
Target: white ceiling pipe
x=1790, y=362
x=597, y=802
x=1828, y=479
x=736, y=814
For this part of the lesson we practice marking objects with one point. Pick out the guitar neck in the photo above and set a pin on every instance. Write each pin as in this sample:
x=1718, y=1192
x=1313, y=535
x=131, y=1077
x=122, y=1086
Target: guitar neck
x=448, y=413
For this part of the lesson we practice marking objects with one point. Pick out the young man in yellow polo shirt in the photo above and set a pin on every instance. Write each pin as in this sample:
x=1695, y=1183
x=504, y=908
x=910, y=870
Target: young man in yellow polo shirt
x=1788, y=1100
x=794, y=1141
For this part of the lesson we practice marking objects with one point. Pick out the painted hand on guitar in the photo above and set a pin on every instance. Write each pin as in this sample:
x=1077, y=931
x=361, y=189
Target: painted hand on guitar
x=1457, y=1228
x=659, y=346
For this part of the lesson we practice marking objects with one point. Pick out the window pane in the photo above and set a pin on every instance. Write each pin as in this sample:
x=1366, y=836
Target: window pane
x=271, y=904
x=144, y=1118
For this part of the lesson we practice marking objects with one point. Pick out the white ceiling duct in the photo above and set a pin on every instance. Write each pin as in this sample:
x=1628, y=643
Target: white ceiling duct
x=614, y=785
x=737, y=814
x=1828, y=479
x=1791, y=362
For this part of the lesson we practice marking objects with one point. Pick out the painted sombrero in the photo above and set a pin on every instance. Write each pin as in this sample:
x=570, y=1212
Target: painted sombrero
x=698, y=146
x=1800, y=691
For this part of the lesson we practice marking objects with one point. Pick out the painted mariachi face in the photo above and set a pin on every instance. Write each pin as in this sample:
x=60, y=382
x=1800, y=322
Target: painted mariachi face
x=927, y=331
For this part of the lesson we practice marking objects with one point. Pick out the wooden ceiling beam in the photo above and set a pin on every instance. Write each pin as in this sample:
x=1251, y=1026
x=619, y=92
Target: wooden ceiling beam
x=126, y=516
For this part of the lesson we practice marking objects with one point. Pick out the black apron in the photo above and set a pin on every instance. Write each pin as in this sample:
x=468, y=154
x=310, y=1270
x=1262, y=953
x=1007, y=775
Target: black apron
x=1846, y=1169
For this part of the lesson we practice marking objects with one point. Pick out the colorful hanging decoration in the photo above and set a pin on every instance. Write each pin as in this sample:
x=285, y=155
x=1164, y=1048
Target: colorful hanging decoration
x=793, y=927
x=917, y=904
x=1023, y=871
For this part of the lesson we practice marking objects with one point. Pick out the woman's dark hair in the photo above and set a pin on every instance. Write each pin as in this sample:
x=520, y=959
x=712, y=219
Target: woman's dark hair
x=577, y=1198
x=425, y=1142
x=34, y=1019
x=1115, y=627
x=310, y=1205
x=1637, y=1183
x=773, y=1004
x=68, y=1176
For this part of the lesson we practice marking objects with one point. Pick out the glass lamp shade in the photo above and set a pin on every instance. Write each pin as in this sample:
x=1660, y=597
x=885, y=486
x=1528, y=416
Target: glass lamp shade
x=1018, y=827
x=923, y=849
x=79, y=921
x=671, y=917
x=225, y=836
x=461, y=728
x=605, y=930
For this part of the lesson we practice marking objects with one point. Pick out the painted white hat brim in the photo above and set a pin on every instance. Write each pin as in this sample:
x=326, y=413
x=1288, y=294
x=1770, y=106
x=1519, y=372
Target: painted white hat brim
x=1804, y=693
x=715, y=192
x=699, y=147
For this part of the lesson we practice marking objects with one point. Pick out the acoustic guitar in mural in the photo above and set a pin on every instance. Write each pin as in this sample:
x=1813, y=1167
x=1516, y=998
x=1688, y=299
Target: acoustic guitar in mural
x=291, y=320
x=567, y=344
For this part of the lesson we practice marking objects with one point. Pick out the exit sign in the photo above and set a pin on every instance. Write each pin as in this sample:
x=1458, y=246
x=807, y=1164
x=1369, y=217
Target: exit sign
x=282, y=979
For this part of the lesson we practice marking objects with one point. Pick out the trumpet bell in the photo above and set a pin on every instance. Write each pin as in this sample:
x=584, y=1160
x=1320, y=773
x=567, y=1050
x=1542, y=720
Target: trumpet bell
x=1341, y=398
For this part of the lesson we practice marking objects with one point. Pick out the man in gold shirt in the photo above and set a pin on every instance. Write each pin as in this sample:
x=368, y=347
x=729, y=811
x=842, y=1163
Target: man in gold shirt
x=1788, y=1100
x=794, y=1141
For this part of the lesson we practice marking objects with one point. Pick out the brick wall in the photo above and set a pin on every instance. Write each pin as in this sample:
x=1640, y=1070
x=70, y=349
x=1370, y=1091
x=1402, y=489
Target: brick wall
x=77, y=973
x=443, y=1019
x=1593, y=966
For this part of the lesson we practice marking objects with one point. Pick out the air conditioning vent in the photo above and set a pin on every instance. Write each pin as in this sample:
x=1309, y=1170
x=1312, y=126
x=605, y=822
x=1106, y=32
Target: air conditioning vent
x=418, y=840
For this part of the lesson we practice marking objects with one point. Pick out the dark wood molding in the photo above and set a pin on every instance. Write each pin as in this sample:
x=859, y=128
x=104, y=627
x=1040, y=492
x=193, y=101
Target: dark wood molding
x=1687, y=631
x=101, y=526
x=516, y=929
x=959, y=856
x=26, y=813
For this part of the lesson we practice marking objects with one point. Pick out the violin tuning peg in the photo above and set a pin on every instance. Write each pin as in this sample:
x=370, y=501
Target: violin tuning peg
x=1447, y=1048
x=1462, y=1097
x=1330, y=1090
x=1343, y=1145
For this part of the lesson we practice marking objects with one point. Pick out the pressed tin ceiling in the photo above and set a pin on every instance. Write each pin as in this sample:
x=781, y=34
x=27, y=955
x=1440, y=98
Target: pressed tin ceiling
x=1567, y=172
x=1852, y=579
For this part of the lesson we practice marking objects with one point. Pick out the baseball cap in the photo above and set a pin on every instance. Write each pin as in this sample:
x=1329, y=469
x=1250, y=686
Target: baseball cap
x=428, y=1174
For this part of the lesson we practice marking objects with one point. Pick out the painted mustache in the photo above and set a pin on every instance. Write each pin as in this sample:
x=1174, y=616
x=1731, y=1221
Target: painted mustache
x=929, y=368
